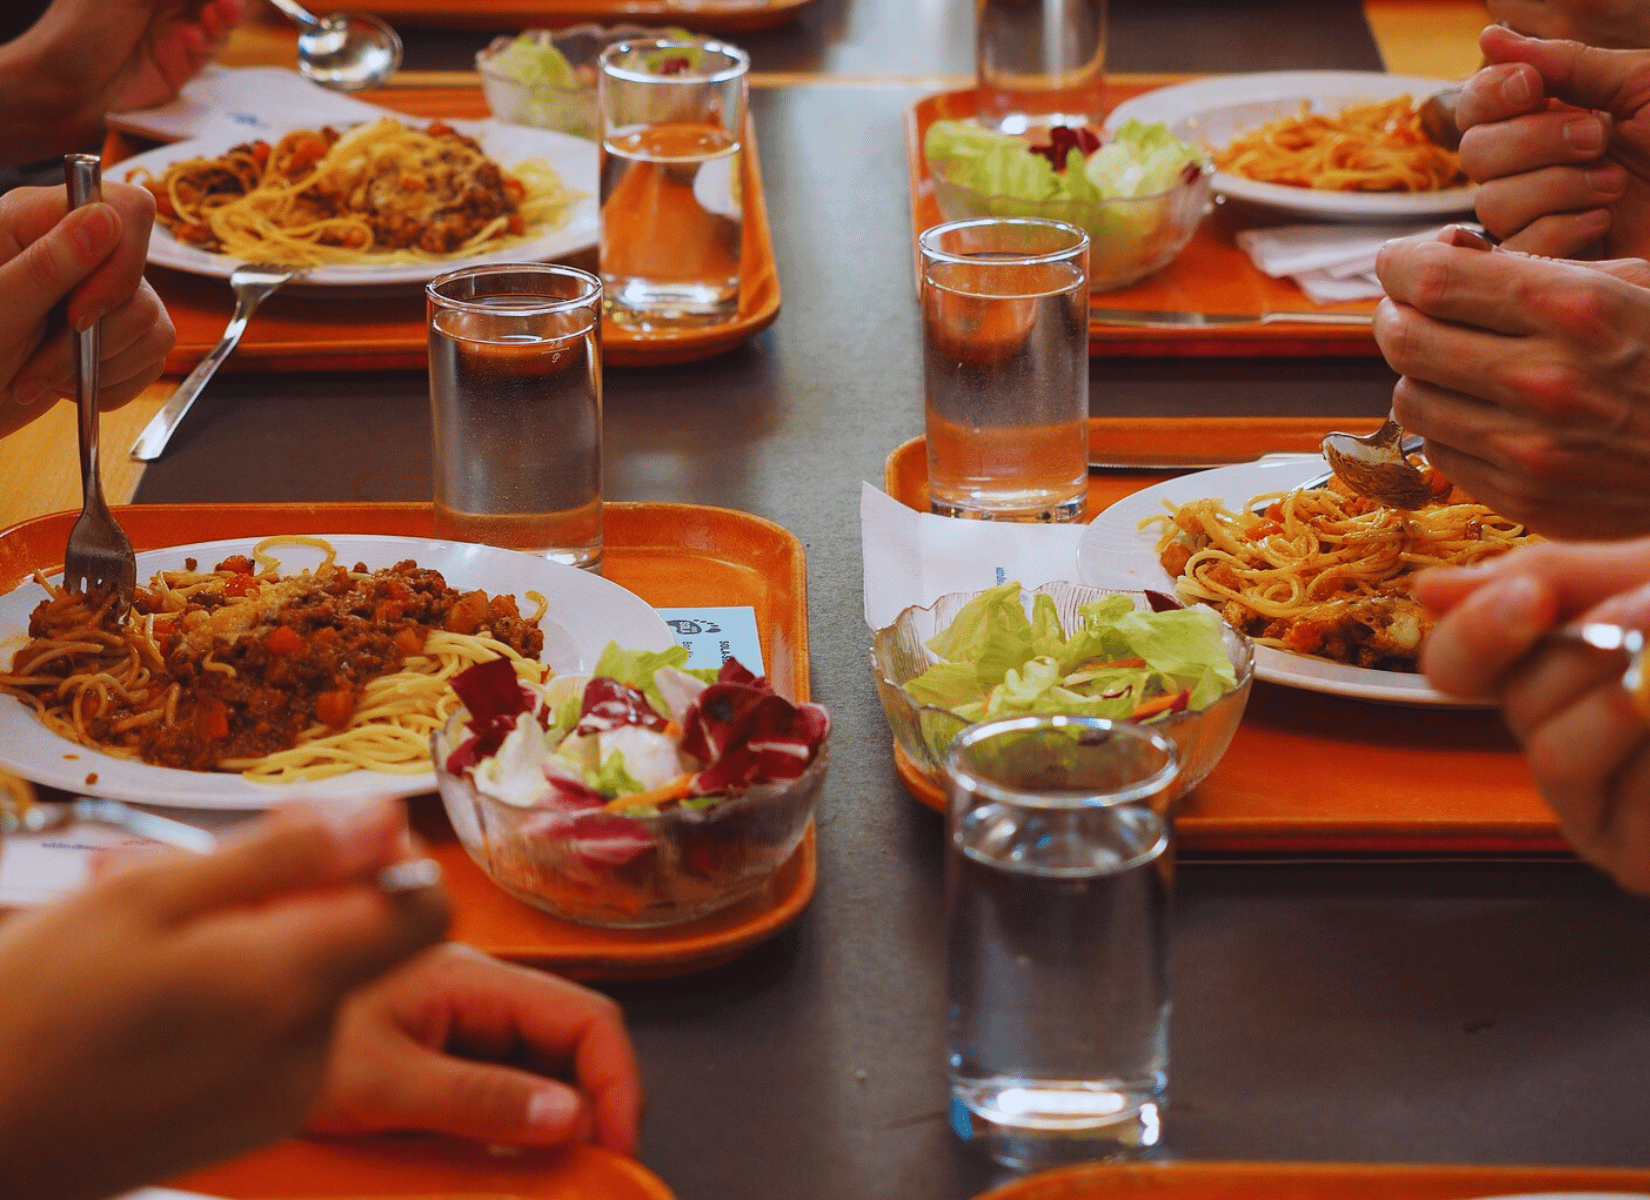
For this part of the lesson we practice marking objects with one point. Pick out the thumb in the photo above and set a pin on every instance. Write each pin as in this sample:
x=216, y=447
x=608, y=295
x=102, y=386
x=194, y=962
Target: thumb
x=46, y=270
x=484, y=1102
x=1612, y=81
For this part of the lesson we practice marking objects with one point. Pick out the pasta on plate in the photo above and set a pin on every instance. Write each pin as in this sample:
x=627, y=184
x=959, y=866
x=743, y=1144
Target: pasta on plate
x=282, y=679
x=1372, y=147
x=1320, y=571
x=383, y=192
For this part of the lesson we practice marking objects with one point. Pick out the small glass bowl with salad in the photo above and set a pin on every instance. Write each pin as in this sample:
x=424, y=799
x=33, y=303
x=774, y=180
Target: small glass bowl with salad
x=640, y=795
x=547, y=78
x=1139, y=193
x=1063, y=648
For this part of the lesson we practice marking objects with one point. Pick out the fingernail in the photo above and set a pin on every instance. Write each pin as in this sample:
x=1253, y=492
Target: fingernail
x=95, y=231
x=1520, y=602
x=552, y=1110
x=1515, y=90
x=1585, y=135
x=1595, y=221
x=1606, y=181
x=28, y=394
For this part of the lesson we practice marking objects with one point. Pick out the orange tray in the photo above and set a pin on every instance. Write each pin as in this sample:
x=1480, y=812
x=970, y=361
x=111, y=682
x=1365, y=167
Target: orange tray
x=711, y=16
x=1307, y=773
x=366, y=332
x=1311, y=1181
x=402, y=1167
x=1211, y=275
x=671, y=555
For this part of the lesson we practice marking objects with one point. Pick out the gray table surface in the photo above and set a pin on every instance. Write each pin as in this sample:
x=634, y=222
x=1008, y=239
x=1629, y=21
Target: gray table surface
x=1391, y=1012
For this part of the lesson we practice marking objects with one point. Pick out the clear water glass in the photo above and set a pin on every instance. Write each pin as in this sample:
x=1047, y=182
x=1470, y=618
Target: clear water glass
x=1005, y=340
x=1059, y=877
x=672, y=211
x=1040, y=62
x=516, y=406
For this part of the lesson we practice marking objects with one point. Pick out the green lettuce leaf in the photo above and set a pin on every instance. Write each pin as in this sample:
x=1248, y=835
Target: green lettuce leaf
x=1139, y=160
x=611, y=779
x=636, y=667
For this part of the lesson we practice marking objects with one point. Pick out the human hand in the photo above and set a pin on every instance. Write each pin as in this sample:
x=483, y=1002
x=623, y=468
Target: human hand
x=181, y=1009
x=1528, y=380
x=1556, y=178
x=94, y=257
x=455, y=1042
x=1621, y=24
x=1588, y=748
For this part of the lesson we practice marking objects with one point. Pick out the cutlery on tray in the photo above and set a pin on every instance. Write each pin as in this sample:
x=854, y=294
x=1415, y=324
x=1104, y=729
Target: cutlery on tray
x=253, y=283
x=1121, y=465
x=1174, y=318
x=99, y=554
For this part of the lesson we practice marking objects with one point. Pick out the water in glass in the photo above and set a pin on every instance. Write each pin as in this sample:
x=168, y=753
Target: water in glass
x=517, y=417
x=1040, y=62
x=671, y=224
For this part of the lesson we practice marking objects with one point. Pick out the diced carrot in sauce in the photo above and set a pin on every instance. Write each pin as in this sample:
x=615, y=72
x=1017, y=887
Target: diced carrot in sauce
x=239, y=585
x=212, y=720
x=335, y=708
x=409, y=640
x=284, y=639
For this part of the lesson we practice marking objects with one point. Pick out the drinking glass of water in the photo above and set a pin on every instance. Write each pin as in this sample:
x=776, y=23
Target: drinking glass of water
x=516, y=405
x=672, y=213
x=1058, y=878
x=1005, y=340
x=1040, y=62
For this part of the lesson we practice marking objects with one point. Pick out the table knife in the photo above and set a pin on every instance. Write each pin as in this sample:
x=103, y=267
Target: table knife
x=1177, y=319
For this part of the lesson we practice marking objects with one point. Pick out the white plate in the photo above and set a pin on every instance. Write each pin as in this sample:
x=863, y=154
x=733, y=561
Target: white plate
x=1211, y=112
x=585, y=613
x=573, y=159
x=1116, y=552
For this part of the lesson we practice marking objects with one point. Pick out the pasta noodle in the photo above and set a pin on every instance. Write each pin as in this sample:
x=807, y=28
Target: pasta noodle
x=384, y=192
x=280, y=679
x=1323, y=572
x=1378, y=147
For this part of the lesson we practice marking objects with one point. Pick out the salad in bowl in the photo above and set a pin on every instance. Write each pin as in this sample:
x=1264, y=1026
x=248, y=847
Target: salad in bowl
x=642, y=794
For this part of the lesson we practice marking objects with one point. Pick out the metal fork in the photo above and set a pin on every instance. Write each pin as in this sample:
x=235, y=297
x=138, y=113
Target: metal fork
x=253, y=283
x=99, y=556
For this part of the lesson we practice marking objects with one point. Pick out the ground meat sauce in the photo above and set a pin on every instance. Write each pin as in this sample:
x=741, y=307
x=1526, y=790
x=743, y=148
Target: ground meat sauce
x=305, y=662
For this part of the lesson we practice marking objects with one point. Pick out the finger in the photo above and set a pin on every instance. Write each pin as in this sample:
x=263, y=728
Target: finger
x=1629, y=270
x=339, y=938
x=135, y=340
x=1489, y=291
x=298, y=847
x=1492, y=624
x=484, y=1102
x=1561, y=235
x=1498, y=93
x=1583, y=742
x=1622, y=845
x=120, y=276
x=47, y=269
x=1473, y=364
x=1550, y=138
x=1507, y=205
x=1606, y=581
x=1612, y=80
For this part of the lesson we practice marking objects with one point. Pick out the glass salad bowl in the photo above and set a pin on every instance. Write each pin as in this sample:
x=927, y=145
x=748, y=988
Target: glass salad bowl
x=547, y=78
x=899, y=653
x=629, y=858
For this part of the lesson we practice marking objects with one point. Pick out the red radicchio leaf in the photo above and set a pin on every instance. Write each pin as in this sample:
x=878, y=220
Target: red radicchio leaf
x=572, y=795
x=608, y=704
x=494, y=698
x=1062, y=140
x=746, y=733
x=680, y=65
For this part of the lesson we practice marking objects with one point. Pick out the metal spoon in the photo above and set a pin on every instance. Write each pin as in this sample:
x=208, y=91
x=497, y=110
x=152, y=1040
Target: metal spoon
x=346, y=51
x=1438, y=119
x=1375, y=466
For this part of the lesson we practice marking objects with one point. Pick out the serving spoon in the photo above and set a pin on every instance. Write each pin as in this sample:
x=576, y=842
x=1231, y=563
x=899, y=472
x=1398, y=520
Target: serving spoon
x=346, y=51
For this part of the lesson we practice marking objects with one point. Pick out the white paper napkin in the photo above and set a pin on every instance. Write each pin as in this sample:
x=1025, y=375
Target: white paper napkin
x=252, y=101
x=1332, y=264
x=915, y=558
x=40, y=868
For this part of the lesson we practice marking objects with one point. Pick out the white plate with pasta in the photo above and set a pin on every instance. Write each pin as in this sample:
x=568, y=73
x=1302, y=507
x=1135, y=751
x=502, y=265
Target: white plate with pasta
x=583, y=613
x=565, y=218
x=1213, y=112
x=1116, y=551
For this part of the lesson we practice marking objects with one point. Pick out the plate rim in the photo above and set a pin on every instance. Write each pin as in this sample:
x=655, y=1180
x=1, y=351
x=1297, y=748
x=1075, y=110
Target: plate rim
x=1187, y=99
x=580, y=232
x=1103, y=565
x=238, y=794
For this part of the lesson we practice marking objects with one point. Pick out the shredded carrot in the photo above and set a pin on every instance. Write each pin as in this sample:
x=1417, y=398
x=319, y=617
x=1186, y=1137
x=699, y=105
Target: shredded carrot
x=1120, y=662
x=679, y=788
x=1169, y=703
